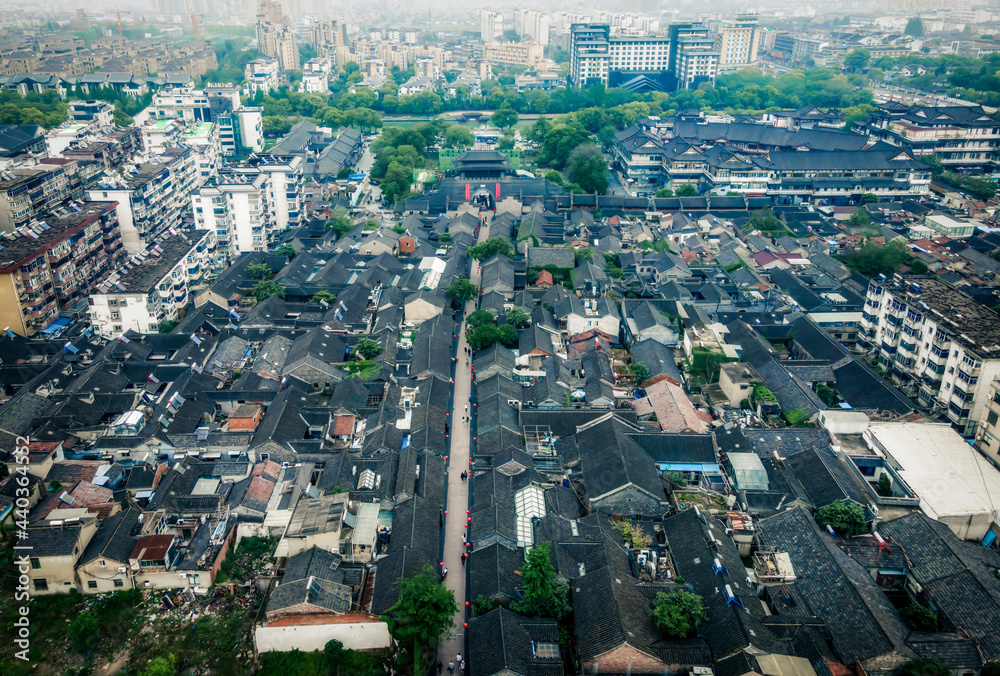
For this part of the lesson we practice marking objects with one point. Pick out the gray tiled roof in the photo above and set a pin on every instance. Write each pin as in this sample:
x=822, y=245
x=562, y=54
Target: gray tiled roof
x=312, y=591
x=53, y=541
x=492, y=572
x=862, y=622
x=503, y=642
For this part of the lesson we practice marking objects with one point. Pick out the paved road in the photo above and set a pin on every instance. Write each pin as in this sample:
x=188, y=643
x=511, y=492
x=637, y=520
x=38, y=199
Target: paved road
x=615, y=186
x=458, y=490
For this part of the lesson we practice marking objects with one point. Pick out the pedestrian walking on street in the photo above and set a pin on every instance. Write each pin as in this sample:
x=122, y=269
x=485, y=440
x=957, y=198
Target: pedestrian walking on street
x=451, y=667
x=463, y=559
x=463, y=666
x=458, y=658
x=440, y=666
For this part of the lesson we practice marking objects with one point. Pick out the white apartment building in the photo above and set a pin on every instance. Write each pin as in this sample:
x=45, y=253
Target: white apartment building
x=514, y=53
x=284, y=186
x=159, y=134
x=941, y=346
x=627, y=22
x=203, y=140
x=696, y=66
x=639, y=53
x=262, y=75
x=153, y=285
x=988, y=432
x=316, y=76
x=738, y=42
x=151, y=197
x=234, y=206
x=97, y=113
x=532, y=25
x=190, y=105
x=490, y=25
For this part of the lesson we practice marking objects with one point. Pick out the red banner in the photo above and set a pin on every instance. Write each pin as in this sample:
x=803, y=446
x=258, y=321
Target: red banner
x=468, y=192
x=498, y=191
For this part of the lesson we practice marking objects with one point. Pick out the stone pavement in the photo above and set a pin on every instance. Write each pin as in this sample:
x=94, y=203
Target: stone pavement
x=458, y=490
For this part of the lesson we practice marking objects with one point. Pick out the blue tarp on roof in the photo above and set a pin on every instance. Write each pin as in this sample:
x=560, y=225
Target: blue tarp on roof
x=686, y=467
x=58, y=325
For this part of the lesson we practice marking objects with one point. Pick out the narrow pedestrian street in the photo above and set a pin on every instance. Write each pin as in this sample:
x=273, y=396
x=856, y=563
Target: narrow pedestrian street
x=456, y=518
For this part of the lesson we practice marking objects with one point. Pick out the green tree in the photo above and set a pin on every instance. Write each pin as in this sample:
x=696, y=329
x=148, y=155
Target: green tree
x=482, y=605
x=859, y=218
x=797, y=417
x=287, y=250
x=640, y=372
x=507, y=336
x=857, y=59
x=324, y=296
x=869, y=198
x=678, y=613
x=517, y=317
x=664, y=192
x=914, y=27
x=846, y=518
x=875, y=259
x=462, y=290
x=368, y=348
x=479, y=317
x=83, y=632
x=340, y=224
x=542, y=596
x=484, y=336
x=504, y=117
x=918, y=267
x=421, y=616
x=554, y=176
x=334, y=654
x=266, y=288
x=588, y=169
x=884, y=485
x=397, y=181
x=258, y=271
x=276, y=124
x=687, y=190
x=493, y=245
x=458, y=136
x=161, y=666
x=765, y=220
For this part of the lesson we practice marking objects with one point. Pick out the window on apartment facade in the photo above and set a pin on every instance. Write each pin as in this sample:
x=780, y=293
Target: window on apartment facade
x=991, y=418
x=91, y=584
x=41, y=585
x=119, y=583
x=36, y=564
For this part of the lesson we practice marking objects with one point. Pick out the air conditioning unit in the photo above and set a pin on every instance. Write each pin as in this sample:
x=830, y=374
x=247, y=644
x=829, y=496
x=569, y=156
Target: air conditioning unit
x=183, y=576
x=146, y=583
x=122, y=569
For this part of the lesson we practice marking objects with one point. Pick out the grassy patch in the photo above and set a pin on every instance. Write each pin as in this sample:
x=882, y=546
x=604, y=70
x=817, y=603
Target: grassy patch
x=364, y=369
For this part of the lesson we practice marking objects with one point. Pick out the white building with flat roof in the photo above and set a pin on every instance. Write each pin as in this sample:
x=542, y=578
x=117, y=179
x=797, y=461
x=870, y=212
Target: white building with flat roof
x=955, y=483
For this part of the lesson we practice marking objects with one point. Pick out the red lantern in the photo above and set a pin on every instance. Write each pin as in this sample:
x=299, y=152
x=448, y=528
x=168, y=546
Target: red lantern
x=465, y=624
x=441, y=564
x=466, y=604
x=446, y=512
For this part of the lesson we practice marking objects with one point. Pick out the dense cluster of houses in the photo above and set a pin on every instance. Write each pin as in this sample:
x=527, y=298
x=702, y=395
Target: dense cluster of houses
x=152, y=455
